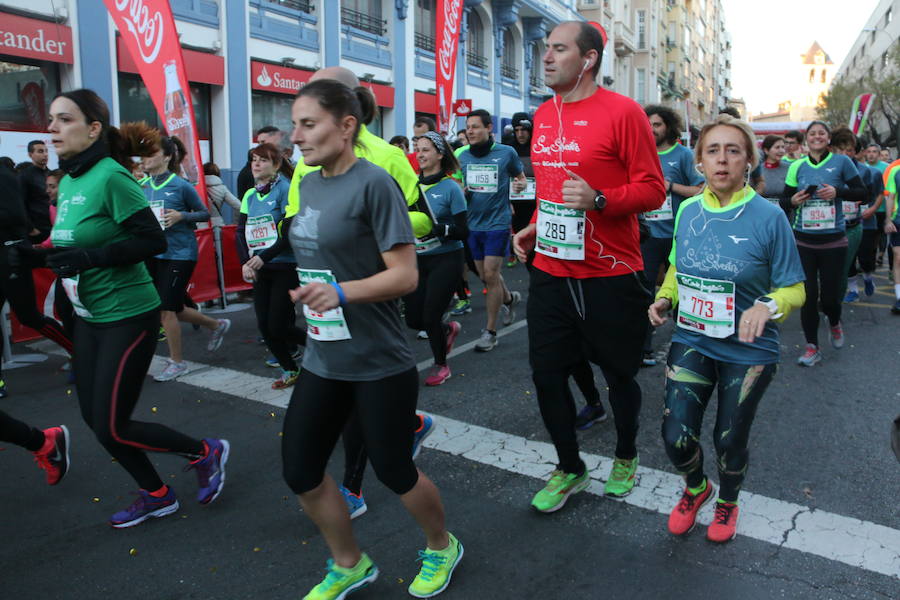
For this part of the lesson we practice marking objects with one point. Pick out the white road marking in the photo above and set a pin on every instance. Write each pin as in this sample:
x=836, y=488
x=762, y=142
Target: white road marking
x=851, y=541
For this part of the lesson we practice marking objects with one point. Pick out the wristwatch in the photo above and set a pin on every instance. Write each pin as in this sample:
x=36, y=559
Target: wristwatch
x=770, y=304
x=599, y=200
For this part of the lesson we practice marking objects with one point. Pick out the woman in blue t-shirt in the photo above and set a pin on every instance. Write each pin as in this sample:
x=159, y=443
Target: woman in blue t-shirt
x=734, y=268
x=268, y=260
x=814, y=188
x=439, y=253
x=177, y=209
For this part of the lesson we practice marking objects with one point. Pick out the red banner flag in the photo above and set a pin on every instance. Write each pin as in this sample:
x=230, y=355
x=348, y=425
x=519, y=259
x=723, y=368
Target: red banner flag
x=859, y=113
x=449, y=17
x=148, y=29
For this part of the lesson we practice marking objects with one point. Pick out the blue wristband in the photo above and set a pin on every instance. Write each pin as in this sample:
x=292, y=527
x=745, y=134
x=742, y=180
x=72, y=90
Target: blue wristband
x=342, y=299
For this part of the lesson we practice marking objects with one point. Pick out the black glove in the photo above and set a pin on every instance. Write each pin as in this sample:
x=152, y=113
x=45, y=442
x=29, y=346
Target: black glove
x=68, y=263
x=21, y=255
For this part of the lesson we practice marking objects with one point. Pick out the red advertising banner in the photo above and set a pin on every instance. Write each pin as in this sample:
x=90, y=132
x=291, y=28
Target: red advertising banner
x=449, y=17
x=148, y=31
x=30, y=38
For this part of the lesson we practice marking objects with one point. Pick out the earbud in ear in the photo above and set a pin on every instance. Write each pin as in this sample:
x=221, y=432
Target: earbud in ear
x=586, y=63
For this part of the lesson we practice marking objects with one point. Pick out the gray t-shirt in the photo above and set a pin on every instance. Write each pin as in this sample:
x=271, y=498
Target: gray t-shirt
x=344, y=224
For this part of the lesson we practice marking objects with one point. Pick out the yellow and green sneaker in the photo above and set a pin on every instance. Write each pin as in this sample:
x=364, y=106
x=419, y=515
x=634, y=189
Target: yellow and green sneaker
x=621, y=477
x=437, y=568
x=561, y=485
x=341, y=581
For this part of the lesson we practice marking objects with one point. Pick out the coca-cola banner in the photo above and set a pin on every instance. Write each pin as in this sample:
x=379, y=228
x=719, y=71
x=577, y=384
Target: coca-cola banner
x=449, y=15
x=148, y=30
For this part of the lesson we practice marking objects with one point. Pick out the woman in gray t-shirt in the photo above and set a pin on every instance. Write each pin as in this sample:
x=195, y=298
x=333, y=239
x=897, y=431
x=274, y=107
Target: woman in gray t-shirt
x=774, y=169
x=355, y=254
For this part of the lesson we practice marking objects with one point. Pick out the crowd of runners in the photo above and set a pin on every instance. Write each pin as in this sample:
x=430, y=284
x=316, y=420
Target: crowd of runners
x=620, y=224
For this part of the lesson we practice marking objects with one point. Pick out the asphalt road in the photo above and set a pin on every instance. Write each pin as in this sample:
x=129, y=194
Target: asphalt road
x=820, y=443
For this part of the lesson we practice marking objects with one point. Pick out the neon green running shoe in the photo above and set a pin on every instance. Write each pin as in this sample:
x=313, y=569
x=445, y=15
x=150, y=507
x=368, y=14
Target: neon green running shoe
x=437, y=568
x=561, y=485
x=621, y=477
x=340, y=581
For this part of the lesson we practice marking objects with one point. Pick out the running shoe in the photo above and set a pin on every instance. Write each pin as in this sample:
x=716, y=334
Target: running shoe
x=896, y=308
x=869, y=286
x=426, y=427
x=454, y=329
x=143, y=508
x=621, y=477
x=356, y=505
x=511, y=263
x=216, y=337
x=3, y=391
x=437, y=569
x=296, y=354
x=837, y=336
x=558, y=489
x=341, y=581
x=724, y=525
x=173, y=370
x=810, y=357
x=648, y=360
x=590, y=416
x=211, y=469
x=851, y=297
x=509, y=309
x=486, y=342
x=437, y=374
x=53, y=457
x=287, y=379
x=684, y=516
x=161, y=336
x=422, y=335
x=463, y=307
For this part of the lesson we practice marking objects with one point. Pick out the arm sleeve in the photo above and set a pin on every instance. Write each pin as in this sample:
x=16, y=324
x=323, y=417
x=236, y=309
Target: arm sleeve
x=788, y=299
x=198, y=211
x=460, y=228
x=147, y=239
x=669, y=287
x=645, y=189
x=240, y=238
x=406, y=178
x=855, y=190
x=785, y=199
x=37, y=204
x=281, y=244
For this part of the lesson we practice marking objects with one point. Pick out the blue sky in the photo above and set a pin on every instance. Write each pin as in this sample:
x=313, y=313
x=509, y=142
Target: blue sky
x=769, y=35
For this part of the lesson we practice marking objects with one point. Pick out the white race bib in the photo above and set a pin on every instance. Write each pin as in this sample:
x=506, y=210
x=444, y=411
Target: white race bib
x=260, y=232
x=705, y=305
x=159, y=211
x=429, y=242
x=70, y=285
x=663, y=213
x=817, y=214
x=560, y=231
x=527, y=194
x=329, y=326
x=850, y=209
x=482, y=178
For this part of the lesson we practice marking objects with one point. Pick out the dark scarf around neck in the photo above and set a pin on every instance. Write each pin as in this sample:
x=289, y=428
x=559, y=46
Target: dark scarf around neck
x=82, y=162
x=481, y=150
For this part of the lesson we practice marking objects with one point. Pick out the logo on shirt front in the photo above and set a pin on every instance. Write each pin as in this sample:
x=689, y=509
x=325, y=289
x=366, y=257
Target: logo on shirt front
x=542, y=126
x=495, y=160
x=78, y=199
x=169, y=194
x=737, y=240
x=557, y=145
x=307, y=224
x=829, y=169
x=581, y=123
x=672, y=163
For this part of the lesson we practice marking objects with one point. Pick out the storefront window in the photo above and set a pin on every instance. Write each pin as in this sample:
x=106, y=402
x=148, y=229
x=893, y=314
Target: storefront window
x=377, y=125
x=26, y=89
x=271, y=109
x=135, y=104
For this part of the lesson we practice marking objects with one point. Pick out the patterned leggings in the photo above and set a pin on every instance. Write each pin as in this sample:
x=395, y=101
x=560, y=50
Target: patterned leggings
x=691, y=379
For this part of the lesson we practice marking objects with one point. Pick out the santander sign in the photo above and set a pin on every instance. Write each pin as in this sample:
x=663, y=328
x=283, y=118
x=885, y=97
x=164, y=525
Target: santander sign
x=145, y=28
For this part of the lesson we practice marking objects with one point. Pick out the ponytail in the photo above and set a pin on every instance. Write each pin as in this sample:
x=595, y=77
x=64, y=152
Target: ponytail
x=366, y=104
x=136, y=139
x=175, y=150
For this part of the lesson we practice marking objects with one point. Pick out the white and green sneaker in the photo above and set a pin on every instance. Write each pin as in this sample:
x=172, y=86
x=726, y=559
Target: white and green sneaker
x=437, y=568
x=561, y=485
x=341, y=581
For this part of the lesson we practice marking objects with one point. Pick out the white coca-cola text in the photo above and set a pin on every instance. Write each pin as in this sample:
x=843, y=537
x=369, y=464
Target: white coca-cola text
x=146, y=29
x=448, y=43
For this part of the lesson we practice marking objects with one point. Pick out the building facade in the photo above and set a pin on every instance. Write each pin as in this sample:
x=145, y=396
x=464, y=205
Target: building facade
x=671, y=52
x=246, y=59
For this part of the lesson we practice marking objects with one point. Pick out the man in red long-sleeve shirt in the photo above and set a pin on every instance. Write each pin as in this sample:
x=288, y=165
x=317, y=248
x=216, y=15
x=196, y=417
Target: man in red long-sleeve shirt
x=596, y=169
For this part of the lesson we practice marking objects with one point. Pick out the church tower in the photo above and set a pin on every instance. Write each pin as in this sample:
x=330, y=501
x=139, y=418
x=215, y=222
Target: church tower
x=814, y=77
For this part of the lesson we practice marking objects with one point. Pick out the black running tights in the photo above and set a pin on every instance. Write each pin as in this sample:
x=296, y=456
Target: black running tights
x=22, y=434
x=438, y=276
x=111, y=362
x=825, y=277
x=275, y=313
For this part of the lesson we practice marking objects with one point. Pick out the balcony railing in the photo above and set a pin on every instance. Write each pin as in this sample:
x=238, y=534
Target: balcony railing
x=509, y=71
x=476, y=60
x=424, y=42
x=301, y=5
x=536, y=81
x=363, y=22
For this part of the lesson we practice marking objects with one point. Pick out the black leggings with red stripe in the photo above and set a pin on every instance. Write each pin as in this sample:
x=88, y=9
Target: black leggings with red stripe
x=111, y=361
x=18, y=288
